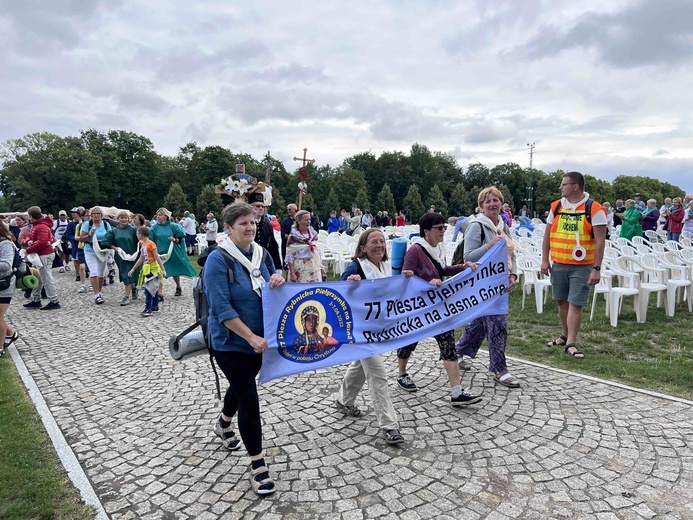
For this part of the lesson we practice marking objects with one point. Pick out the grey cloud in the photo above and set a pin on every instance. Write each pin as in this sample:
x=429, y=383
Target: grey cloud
x=291, y=74
x=660, y=152
x=494, y=19
x=647, y=32
x=198, y=132
x=136, y=99
x=255, y=103
x=184, y=64
x=49, y=26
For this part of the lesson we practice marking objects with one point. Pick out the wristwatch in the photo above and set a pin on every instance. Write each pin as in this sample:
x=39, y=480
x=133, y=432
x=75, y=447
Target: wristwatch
x=597, y=267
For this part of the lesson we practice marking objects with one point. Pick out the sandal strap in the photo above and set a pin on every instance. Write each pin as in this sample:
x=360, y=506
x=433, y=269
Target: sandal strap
x=572, y=345
x=259, y=470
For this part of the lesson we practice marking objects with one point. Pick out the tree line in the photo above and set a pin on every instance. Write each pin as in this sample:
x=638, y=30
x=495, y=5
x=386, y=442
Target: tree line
x=122, y=169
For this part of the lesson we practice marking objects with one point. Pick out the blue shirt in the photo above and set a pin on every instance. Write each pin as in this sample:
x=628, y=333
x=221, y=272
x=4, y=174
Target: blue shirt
x=228, y=301
x=343, y=223
x=332, y=225
x=458, y=227
x=100, y=233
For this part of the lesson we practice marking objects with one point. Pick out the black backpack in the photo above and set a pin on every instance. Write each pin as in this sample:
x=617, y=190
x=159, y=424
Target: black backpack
x=202, y=308
x=458, y=255
x=16, y=271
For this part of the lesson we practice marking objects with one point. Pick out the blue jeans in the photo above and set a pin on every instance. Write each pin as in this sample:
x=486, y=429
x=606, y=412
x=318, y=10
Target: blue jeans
x=673, y=236
x=151, y=302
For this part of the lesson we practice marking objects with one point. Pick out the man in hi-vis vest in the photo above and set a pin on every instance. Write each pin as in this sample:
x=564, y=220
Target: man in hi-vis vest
x=575, y=235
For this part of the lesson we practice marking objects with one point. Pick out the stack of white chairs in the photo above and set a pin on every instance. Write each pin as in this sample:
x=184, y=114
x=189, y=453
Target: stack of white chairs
x=679, y=281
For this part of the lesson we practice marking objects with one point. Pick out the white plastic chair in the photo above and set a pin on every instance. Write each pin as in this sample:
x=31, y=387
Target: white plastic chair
x=655, y=281
x=532, y=278
x=678, y=281
x=628, y=280
x=672, y=245
x=638, y=240
x=621, y=242
x=651, y=235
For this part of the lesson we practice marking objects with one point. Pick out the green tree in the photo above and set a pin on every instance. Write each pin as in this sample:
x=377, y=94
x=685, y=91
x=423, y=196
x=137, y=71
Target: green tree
x=547, y=191
x=367, y=164
x=208, y=200
x=457, y=201
x=176, y=201
x=435, y=198
x=413, y=205
x=469, y=199
x=362, y=200
x=208, y=166
x=346, y=182
x=477, y=174
x=394, y=169
x=516, y=180
x=48, y=170
x=331, y=204
x=598, y=189
x=386, y=201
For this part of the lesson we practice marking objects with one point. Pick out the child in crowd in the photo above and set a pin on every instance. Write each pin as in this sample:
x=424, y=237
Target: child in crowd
x=153, y=266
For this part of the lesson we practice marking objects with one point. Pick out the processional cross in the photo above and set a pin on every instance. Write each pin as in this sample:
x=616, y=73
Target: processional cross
x=302, y=176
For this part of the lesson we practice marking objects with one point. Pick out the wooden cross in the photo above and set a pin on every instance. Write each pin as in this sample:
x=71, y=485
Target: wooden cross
x=304, y=171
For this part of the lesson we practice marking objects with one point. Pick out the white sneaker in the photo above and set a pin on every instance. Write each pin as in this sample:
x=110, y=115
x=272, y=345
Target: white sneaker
x=61, y=270
x=82, y=290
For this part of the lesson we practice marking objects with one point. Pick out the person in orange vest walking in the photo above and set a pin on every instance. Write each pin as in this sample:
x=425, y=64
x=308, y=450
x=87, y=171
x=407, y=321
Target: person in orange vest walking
x=574, y=238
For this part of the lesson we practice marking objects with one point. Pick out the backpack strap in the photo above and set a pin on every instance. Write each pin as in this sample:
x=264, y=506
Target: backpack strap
x=438, y=267
x=587, y=212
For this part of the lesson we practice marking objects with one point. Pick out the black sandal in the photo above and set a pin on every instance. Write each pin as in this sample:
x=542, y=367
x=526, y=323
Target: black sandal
x=555, y=343
x=576, y=353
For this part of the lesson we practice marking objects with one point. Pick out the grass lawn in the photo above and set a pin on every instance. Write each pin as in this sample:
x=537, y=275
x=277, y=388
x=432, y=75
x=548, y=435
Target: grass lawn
x=33, y=483
x=656, y=355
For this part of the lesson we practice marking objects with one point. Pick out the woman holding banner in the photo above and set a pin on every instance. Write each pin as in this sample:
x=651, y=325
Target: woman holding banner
x=427, y=260
x=485, y=231
x=370, y=262
x=235, y=325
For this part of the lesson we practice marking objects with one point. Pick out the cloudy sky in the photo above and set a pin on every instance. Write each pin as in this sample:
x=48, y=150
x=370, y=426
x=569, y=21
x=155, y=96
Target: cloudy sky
x=603, y=87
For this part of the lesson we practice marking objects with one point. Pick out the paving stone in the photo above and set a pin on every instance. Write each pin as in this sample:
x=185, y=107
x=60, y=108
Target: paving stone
x=140, y=425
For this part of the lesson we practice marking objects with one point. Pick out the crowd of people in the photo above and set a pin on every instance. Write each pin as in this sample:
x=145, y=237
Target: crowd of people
x=145, y=253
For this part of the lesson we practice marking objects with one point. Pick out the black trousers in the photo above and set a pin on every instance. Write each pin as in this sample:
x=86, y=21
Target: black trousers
x=240, y=369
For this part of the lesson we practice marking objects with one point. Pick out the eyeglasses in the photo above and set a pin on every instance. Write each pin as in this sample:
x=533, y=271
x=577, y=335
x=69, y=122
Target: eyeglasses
x=567, y=184
x=441, y=227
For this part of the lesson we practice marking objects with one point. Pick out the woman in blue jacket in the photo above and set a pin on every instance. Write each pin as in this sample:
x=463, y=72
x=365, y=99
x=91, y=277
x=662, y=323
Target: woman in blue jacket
x=236, y=330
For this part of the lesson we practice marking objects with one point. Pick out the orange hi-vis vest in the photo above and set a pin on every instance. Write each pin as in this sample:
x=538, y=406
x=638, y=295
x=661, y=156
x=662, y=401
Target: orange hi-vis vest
x=564, y=229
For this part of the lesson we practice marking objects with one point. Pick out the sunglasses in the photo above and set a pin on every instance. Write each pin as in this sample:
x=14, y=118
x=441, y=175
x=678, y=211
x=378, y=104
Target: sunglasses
x=440, y=227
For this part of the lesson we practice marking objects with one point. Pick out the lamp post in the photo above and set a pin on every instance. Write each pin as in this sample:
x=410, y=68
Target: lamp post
x=530, y=183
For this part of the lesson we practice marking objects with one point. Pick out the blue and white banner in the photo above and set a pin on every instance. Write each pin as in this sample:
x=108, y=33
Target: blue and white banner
x=312, y=326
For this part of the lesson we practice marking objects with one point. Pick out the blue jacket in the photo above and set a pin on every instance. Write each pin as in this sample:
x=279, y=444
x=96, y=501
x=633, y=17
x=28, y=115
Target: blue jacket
x=228, y=301
x=332, y=225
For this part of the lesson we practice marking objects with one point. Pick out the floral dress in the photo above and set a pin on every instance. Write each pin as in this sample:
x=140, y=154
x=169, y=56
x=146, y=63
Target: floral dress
x=303, y=257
